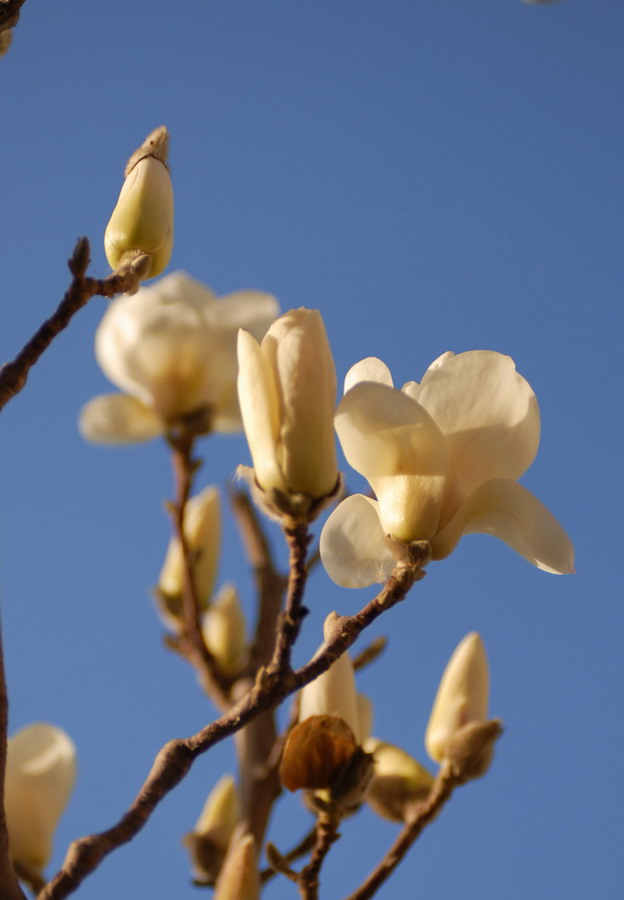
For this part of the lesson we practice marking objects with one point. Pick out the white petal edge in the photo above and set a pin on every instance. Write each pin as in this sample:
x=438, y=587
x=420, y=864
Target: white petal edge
x=353, y=547
x=369, y=369
x=118, y=419
x=506, y=510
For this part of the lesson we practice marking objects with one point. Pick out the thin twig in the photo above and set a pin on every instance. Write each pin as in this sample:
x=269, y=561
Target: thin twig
x=369, y=654
x=176, y=758
x=326, y=835
x=13, y=374
x=304, y=846
x=9, y=13
x=290, y=619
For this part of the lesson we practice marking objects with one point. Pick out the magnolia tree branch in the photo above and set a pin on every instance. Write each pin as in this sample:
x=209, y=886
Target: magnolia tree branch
x=290, y=619
x=176, y=758
x=9, y=13
x=13, y=374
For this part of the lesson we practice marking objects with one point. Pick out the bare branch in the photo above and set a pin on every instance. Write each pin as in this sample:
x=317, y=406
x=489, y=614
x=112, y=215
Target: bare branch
x=13, y=375
x=9, y=13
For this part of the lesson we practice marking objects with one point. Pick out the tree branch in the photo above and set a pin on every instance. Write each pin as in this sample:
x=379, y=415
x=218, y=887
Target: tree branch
x=13, y=375
x=176, y=758
x=9, y=13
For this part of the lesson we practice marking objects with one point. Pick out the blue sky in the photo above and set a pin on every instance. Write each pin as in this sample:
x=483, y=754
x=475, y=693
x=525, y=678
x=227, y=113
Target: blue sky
x=431, y=177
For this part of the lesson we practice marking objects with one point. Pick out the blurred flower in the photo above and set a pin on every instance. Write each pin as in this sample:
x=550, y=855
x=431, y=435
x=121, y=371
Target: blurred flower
x=172, y=348
x=317, y=752
x=287, y=392
x=208, y=842
x=462, y=697
x=202, y=530
x=223, y=628
x=238, y=879
x=40, y=776
x=142, y=221
x=443, y=458
x=398, y=781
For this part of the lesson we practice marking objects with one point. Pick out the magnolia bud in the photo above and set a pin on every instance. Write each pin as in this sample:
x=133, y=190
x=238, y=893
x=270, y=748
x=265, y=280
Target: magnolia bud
x=142, y=221
x=238, y=879
x=208, y=842
x=202, y=531
x=462, y=696
x=317, y=753
x=223, y=628
x=40, y=776
x=398, y=781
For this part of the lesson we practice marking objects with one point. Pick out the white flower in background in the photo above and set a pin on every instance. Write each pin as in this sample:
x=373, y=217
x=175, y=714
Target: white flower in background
x=287, y=392
x=142, y=221
x=202, y=530
x=40, y=776
x=224, y=631
x=172, y=349
x=443, y=458
x=462, y=696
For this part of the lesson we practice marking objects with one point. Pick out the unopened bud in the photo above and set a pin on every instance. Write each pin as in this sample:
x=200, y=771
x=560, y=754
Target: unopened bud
x=316, y=754
x=208, y=842
x=142, y=221
x=471, y=749
x=223, y=628
x=398, y=782
x=238, y=879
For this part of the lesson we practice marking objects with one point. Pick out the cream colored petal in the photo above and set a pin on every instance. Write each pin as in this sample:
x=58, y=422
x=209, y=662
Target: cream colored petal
x=353, y=547
x=298, y=351
x=252, y=310
x=506, y=510
x=224, y=629
x=118, y=419
x=221, y=812
x=238, y=879
x=365, y=717
x=40, y=776
x=462, y=695
x=369, y=369
x=258, y=398
x=489, y=414
x=180, y=287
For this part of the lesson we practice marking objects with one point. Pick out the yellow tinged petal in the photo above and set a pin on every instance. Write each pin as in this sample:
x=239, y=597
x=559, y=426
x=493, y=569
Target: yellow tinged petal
x=118, y=419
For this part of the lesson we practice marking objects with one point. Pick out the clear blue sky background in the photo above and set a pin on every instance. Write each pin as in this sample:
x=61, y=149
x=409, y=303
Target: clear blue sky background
x=431, y=176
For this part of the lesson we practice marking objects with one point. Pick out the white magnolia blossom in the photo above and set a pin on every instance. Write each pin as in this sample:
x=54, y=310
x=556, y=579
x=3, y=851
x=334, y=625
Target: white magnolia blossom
x=334, y=694
x=40, y=776
x=287, y=392
x=443, y=458
x=171, y=348
x=462, y=696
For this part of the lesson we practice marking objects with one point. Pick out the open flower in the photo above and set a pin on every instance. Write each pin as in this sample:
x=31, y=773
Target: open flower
x=40, y=776
x=443, y=458
x=287, y=392
x=172, y=349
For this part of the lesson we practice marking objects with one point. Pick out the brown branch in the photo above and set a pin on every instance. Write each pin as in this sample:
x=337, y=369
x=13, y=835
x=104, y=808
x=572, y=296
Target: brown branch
x=289, y=621
x=9, y=888
x=13, y=375
x=176, y=758
x=326, y=835
x=9, y=13
x=304, y=846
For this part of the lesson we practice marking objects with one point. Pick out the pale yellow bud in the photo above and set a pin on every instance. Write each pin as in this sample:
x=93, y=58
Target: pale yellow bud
x=142, y=221
x=238, y=879
x=209, y=840
x=224, y=628
x=287, y=394
x=40, y=776
x=398, y=781
x=462, y=696
x=202, y=530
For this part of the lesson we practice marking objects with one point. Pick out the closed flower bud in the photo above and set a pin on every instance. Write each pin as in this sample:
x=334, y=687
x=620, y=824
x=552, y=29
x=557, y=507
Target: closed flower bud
x=462, y=696
x=142, y=221
x=40, y=776
x=287, y=394
x=239, y=879
x=208, y=842
x=202, y=531
x=224, y=627
x=317, y=753
x=398, y=782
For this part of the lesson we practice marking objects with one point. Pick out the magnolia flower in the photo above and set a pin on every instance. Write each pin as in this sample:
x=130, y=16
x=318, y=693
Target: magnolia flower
x=398, y=780
x=202, y=530
x=462, y=696
x=223, y=628
x=172, y=348
x=287, y=393
x=40, y=776
x=209, y=840
x=142, y=221
x=443, y=458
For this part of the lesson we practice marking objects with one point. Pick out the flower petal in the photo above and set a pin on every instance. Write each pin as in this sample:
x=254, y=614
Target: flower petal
x=506, y=510
x=369, y=369
x=118, y=419
x=252, y=310
x=353, y=546
x=489, y=415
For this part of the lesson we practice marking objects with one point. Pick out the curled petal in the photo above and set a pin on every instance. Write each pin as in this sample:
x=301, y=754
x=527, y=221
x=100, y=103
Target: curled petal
x=118, y=419
x=353, y=547
x=489, y=415
x=506, y=510
x=369, y=369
